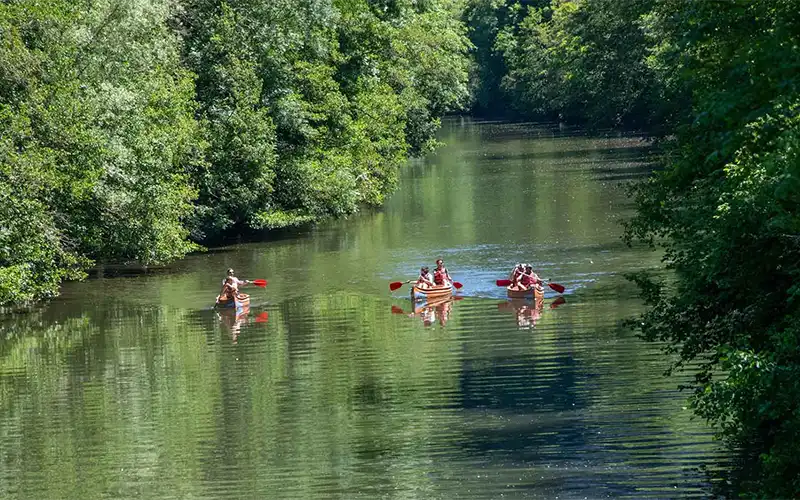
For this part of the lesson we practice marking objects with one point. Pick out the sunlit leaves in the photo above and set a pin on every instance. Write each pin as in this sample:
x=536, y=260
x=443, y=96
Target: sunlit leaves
x=140, y=127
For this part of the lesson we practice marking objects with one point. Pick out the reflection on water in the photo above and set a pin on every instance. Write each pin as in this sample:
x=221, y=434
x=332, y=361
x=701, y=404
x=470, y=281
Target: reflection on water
x=430, y=311
x=526, y=311
x=330, y=387
x=233, y=319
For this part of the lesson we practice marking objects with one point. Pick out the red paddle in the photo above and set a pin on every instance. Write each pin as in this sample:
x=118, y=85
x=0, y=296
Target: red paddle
x=261, y=283
x=394, y=285
x=555, y=286
x=261, y=318
x=557, y=302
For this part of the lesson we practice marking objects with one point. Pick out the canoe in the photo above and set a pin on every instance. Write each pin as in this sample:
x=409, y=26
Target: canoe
x=525, y=294
x=243, y=300
x=437, y=292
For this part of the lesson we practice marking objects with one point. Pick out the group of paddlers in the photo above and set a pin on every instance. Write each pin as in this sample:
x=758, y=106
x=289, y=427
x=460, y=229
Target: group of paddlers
x=523, y=278
x=439, y=278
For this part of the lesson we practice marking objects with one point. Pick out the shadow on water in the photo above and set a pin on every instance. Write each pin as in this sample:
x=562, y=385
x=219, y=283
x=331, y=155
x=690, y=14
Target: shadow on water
x=735, y=474
x=576, y=156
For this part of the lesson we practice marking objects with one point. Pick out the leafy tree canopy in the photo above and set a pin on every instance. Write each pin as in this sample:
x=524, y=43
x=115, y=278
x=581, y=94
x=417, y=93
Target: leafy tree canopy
x=135, y=130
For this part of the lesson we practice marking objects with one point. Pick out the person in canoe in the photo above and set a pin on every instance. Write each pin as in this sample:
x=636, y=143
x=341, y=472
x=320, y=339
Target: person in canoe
x=530, y=279
x=231, y=282
x=230, y=289
x=515, y=275
x=425, y=280
x=440, y=275
x=236, y=280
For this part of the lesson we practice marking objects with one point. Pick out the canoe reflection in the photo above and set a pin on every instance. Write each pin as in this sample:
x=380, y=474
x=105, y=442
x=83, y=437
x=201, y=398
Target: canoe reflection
x=233, y=319
x=430, y=311
x=528, y=312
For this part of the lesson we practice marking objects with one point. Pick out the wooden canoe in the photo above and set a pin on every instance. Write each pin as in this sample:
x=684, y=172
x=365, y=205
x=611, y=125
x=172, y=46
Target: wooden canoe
x=437, y=292
x=243, y=300
x=531, y=293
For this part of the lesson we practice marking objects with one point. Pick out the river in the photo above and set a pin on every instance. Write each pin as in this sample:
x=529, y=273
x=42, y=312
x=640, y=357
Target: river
x=331, y=386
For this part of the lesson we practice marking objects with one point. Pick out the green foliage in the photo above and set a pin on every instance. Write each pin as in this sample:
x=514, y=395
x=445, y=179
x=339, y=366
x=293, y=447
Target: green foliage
x=726, y=211
x=98, y=125
x=584, y=61
x=492, y=24
x=33, y=257
x=136, y=129
x=592, y=54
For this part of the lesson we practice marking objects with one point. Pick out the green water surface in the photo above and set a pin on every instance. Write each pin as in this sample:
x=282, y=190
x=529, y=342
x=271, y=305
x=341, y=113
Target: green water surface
x=331, y=386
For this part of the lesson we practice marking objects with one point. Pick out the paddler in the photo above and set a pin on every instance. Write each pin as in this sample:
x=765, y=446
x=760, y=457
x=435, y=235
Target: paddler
x=230, y=289
x=425, y=280
x=236, y=280
x=440, y=275
x=530, y=279
x=515, y=275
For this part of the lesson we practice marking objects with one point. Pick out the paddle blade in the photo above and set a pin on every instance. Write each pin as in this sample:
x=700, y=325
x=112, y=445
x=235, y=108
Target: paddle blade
x=557, y=302
x=394, y=285
x=397, y=310
x=457, y=285
x=263, y=317
x=261, y=283
x=555, y=286
x=503, y=282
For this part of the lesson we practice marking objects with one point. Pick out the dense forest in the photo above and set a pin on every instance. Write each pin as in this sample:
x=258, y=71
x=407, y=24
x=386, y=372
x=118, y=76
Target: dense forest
x=140, y=130
x=136, y=131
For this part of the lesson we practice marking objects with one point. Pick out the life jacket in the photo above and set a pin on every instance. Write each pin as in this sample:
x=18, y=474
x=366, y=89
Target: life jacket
x=438, y=277
x=527, y=279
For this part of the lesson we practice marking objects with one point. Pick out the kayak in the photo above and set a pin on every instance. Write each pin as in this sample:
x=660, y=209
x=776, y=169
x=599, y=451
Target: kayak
x=437, y=292
x=525, y=294
x=243, y=300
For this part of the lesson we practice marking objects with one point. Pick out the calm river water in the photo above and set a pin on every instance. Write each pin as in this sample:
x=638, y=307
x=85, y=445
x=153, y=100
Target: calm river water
x=331, y=386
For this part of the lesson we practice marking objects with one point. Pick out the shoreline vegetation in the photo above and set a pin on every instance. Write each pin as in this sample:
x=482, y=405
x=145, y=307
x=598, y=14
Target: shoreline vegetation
x=137, y=131
x=721, y=80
